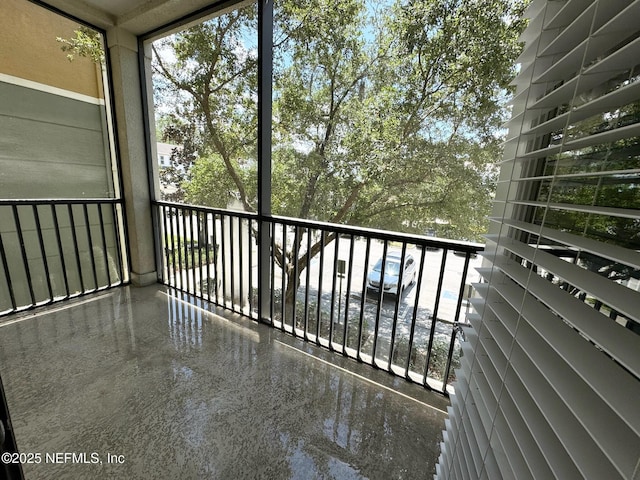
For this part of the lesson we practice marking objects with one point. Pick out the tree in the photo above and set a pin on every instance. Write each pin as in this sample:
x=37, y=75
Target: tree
x=86, y=43
x=386, y=119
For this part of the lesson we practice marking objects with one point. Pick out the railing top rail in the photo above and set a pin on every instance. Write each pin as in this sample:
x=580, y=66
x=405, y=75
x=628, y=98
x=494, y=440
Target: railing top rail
x=58, y=201
x=420, y=240
x=199, y=208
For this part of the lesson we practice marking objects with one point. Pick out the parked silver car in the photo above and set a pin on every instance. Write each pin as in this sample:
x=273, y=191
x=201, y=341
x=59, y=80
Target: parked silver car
x=393, y=274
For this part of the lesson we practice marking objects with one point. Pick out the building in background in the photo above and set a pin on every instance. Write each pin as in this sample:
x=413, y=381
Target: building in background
x=52, y=115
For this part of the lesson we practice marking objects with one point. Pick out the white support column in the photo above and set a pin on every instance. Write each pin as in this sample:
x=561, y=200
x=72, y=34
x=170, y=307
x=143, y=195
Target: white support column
x=129, y=115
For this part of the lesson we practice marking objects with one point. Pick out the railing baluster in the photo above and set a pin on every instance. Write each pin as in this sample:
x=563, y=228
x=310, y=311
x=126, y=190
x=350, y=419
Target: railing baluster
x=272, y=228
x=206, y=254
x=380, y=300
x=119, y=244
x=414, y=317
x=307, y=287
x=333, y=290
x=165, y=244
x=434, y=319
x=283, y=301
x=452, y=342
x=85, y=211
x=296, y=253
x=175, y=246
x=348, y=295
x=241, y=261
x=56, y=226
x=250, y=272
x=223, y=251
x=104, y=244
x=179, y=242
x=201, y=267
x=403, y=257
x=319, y=317
x=232, y=270
x=7, y=275
x=364, y=298
x=216, y=273
x=25, y=260
x=43, y=252
x=194, y=283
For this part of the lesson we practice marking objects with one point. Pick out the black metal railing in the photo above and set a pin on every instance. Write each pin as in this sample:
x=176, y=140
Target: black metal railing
x=209, y=253
x=52, y=250
x=324, y=284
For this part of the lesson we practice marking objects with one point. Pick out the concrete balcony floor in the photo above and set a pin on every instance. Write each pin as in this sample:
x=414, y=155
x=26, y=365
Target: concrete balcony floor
x=181, y=393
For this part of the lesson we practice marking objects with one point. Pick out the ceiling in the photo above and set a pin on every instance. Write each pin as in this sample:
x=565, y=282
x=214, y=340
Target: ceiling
x=136, y=16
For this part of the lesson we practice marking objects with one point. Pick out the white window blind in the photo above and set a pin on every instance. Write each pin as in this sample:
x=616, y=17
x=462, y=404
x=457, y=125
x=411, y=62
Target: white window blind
x=549, y=385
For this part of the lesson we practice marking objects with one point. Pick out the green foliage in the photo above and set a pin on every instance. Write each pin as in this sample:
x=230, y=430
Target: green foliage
x=210, y=185
x=86, y=43
x=385, y=119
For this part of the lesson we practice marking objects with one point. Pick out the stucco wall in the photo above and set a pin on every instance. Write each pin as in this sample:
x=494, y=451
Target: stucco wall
x=29, y=50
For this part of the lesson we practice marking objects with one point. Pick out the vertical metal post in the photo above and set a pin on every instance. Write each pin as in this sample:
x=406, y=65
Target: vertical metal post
x=223, y=256
x=233, y=221
x=104, y=244
x=306, y=290
x=396, y=310
x=121, y=246
x=333, y=289
x=272, y=277
x=348, y=295
x=319, y=311
x=179, y=245
x=250, y=269
x=452, y=343
x=385, y=249
x=193, y=254
x=241, y=264
x=283, y=288
x=175, y=247
x=199, y=292
x=364, y=297
x=206, y=247
x=85, y=212
x=43, y=252
x=265, y=70
x=25, y=260
x=56, y=226
x=216, y=270
x=165, y=243
x=434, y=319
x=415, y=311
x=7, y=275
x=296, y=254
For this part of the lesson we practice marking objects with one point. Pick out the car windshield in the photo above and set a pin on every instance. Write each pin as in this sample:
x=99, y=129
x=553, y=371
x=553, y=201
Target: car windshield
x=391, y=268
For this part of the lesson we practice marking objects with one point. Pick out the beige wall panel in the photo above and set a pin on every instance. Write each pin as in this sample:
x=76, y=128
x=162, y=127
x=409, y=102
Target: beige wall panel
x=29, y=50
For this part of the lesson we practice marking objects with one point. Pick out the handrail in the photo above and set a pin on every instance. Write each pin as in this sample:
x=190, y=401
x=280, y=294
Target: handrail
x=59, y=201
x=421, y=240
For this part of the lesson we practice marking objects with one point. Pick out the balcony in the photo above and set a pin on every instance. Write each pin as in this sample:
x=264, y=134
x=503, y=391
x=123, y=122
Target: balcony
x=197, y=371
